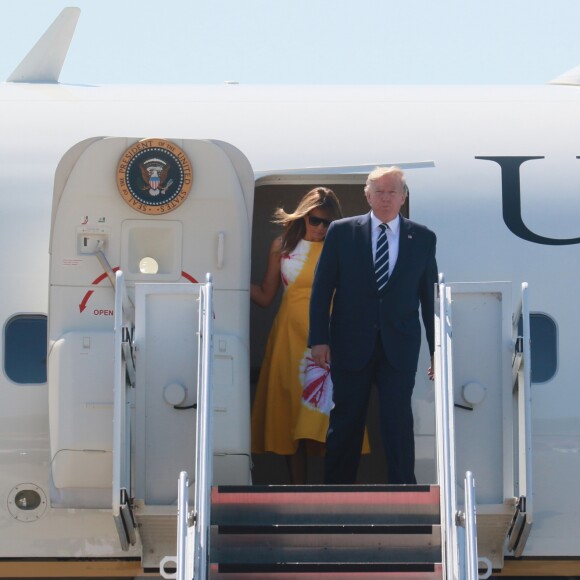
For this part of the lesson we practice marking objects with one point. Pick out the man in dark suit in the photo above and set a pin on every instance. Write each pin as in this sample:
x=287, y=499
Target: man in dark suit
x=368, y=322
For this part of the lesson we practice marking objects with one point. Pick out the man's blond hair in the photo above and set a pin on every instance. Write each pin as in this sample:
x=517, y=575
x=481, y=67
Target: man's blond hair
x=379, y=172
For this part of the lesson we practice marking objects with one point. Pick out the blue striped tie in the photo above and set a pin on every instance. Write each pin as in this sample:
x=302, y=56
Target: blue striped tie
x=382, y=258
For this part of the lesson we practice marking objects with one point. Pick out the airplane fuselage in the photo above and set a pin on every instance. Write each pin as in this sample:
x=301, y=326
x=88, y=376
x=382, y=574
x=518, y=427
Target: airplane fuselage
x=494, y=171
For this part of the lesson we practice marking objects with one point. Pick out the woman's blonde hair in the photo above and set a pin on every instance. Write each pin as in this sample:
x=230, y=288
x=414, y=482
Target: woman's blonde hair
x=294, y=224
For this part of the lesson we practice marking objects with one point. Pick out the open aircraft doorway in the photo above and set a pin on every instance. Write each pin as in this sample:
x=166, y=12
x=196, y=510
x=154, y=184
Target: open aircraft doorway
x=285, y=192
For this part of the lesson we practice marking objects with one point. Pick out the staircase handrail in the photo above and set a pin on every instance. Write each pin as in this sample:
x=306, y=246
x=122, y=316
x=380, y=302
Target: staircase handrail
x=193, y=527
x=123, y=325
x=445, y=432
x=118, y=392
x=204, y=434
x=459, y=529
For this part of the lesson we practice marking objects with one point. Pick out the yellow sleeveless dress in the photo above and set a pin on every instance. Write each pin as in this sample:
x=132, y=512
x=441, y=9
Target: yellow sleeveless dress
x=293, y=399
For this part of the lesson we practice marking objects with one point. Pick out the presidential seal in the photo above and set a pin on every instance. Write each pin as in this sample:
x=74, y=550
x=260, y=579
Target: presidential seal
x=154, y=176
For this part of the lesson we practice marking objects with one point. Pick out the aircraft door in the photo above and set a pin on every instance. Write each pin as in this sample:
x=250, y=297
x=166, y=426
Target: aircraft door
x=165, y=213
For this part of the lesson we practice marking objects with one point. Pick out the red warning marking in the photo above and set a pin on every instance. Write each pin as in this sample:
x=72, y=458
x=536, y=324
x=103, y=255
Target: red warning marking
x=83, y=304
x=96, y=281
x=103, y=276
x=189, y=277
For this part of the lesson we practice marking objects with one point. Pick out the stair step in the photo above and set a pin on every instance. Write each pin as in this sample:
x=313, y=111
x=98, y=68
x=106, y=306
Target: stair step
x=325, y=544
x=334, y=570
x=403, y=504
x=317, y=529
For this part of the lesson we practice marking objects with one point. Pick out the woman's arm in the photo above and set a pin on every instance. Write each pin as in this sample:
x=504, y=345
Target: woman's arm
x=264, y=293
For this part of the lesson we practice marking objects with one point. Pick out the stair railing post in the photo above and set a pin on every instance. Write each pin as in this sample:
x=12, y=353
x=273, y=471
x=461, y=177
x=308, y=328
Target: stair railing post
x=470, y=528
x=182, y=516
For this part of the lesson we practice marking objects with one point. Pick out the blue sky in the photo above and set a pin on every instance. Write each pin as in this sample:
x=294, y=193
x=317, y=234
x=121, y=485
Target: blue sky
x=304, y=41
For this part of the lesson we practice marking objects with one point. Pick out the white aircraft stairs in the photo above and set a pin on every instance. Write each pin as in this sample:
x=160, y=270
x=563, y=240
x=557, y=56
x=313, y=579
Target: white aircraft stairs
x=362, y=531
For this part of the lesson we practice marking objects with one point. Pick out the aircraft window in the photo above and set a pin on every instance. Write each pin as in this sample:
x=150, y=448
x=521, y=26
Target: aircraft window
x=544, y=347
x=25, y=344
x=148, y=265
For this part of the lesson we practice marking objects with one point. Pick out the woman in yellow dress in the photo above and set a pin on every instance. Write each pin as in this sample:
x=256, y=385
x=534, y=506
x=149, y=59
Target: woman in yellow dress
x=293, y=396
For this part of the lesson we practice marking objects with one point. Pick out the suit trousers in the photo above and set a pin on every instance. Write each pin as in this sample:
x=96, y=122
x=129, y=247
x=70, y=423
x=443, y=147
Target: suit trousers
x=351, y=394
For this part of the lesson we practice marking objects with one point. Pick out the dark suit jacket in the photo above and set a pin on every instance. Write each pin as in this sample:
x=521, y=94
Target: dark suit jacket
x=345, y=279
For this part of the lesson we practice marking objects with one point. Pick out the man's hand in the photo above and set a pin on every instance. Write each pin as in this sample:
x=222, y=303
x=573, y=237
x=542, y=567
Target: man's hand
x=321, y=355
x=431, y=371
